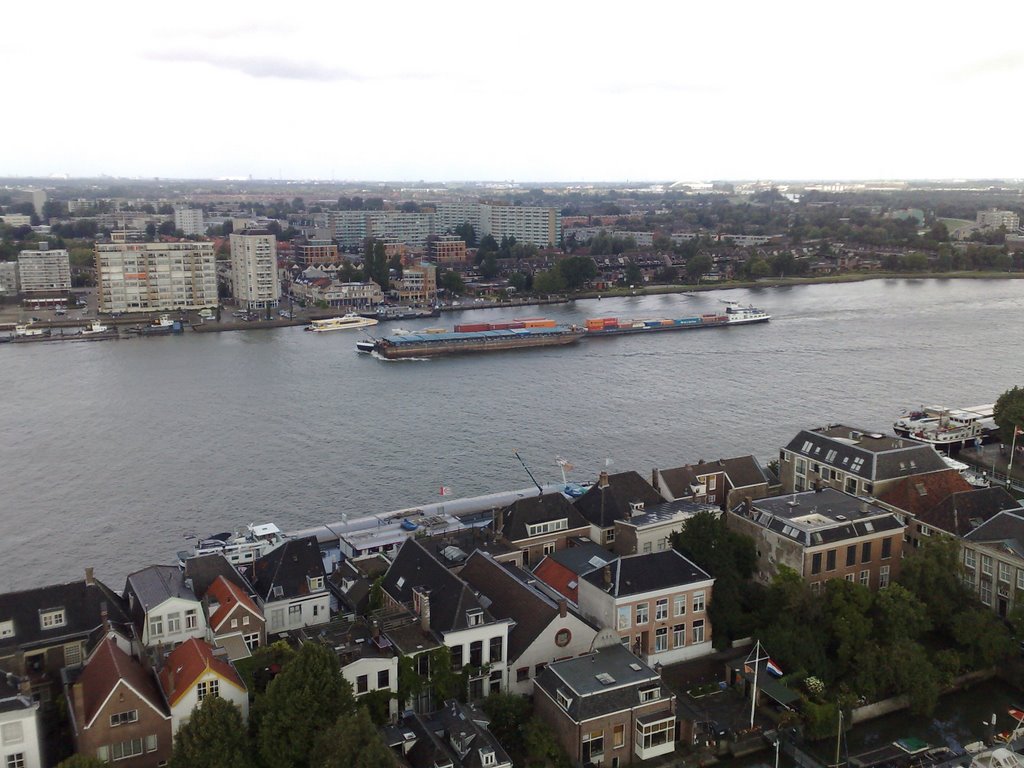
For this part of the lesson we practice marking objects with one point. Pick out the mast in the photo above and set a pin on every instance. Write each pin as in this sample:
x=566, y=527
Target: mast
x=839, y=731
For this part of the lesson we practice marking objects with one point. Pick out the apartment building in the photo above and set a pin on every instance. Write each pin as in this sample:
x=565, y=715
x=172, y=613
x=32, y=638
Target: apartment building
x=189, y=221
x=540, y=226
x=994, y=562
x=254, y=270
x=822, y=535
x=993, y=219
x=448, y=250
x=44, y=270
x=155, y=277
x=315, y=252
x=418, y=285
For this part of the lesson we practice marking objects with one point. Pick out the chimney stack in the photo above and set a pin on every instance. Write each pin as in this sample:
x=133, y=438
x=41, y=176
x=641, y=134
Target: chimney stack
x=104, y=616
x=376, y=631
x=563, y=608
x=89, y=580
x=602, y=479
x=424, y=609
x=608, y=576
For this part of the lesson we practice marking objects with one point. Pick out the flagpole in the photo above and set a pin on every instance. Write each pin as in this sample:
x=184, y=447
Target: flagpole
x=1009, y=464
x=753, y=698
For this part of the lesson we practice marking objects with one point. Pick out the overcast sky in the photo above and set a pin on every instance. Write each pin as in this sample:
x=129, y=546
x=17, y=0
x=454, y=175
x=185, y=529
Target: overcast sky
x=525, y=91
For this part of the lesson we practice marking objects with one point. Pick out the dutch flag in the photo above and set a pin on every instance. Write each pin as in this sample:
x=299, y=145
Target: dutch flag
x=774, y=668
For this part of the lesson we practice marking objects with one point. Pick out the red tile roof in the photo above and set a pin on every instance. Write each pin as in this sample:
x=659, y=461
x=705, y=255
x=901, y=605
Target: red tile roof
x=187, y=663
x=229, y=596
x=921, y=493
x=108, y=667
x=558, y=577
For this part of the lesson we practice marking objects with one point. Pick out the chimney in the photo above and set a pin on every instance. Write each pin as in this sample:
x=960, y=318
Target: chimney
x=602, y=480
x=104, y=616
x=608, y=576
x=656, y=480
x=563, y=608
x=425, y=610
x=376, y=631
x=748, y=505
x=89, y=580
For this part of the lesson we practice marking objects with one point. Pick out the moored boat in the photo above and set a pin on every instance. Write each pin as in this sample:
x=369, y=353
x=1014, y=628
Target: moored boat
x=939, y=425
x=340, y=323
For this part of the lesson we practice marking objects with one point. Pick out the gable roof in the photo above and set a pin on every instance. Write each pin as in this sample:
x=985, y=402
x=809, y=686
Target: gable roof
x=922, y=493
x=227, y=594
x=510, y=598
x=83, y=604
x=109, y=667
x=152, y=586
x=538, y=509
x=602, y=506
x=288, y=567
x=450, y=597
x=649, y=572
x=741, y=472
x=965, y=513
x=455, y=734
x=868, y=455
x=187, y=663
x=204, y=570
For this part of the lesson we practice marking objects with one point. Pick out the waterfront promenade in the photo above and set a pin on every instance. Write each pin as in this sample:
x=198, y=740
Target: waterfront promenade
x=993, y=459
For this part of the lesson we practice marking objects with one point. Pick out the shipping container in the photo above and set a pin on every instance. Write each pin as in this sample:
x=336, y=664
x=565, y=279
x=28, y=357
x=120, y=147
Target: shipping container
x=472, y=327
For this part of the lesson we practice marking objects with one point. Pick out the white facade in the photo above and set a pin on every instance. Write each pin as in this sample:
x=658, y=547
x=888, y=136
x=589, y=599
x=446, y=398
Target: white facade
x=995, y=219
x=535, y=225
x=565, y=636
x=44, y=271
x=156, y=277
x=255, y=280
x=208, y=683
x=8, y=277
x=19, y=734
x=374, y=673
x=466, y=643
x=174, y=621
x=305, y=611
x=16, y=219
x=189, y=221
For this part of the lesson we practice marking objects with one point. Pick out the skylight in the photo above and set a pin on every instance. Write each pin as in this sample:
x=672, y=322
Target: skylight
x=604, y=678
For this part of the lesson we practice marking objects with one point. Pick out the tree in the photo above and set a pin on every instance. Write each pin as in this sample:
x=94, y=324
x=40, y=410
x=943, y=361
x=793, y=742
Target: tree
x=549, y=281
x=82, y=761
x=214, y=737
x=1009, y=413
x=166, y=228
x=489, y=266
x=304, y=700
x=468, y=233
x=452, y=282
x=633, y=274
x=698, y=266
x=932, y=575
x=352, y=742
x=151, y=231
x=576, y=271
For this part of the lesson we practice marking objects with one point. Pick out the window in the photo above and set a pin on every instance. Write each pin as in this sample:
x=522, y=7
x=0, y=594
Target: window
x=190, y=618
x=641, y=613
x=986, y=565
x=497, y=650
x=252, y=642
x=830, y=560
x=801, y=466
x=384, y=678
x=618, y=735
x=156, y=626
x=865, y=578
x=17, y=760
x=11, y=733
x=661, y=639
x=661, y=609
x=294, y=614
x=712, y=482
x=650, y=694
x=549, y=547
x=969, y=559
x=647, y=548
x=173, y=622
x=564, y=700
x=850, y=577
x=72, y=655
x=562, y=638
x=129, y=748
x=698, y=631
x=678, y=635
x=625, y=617
x=887, y=548
x=103, y=753
x=698, y=602
x=476, y=653
x=816, y=562
x=680, y=605
x=522, y=674
x=234, y=623
x=457, y=658
x=6, y=629
x=538, y=668
x=474, y=618
x=52, y=619
x=865, y=552
x=655, y=734
x=1020, y=578
x=151, y=743
x=609, y=536
x=883, y=577
x=593, y=746
x=123, y=718
x=207, y=688
x=538, y=529
x=316, y=583
x=362, y=684
x=1004, y=572
x=245, y=621
x=986, y=592
x=851, y=486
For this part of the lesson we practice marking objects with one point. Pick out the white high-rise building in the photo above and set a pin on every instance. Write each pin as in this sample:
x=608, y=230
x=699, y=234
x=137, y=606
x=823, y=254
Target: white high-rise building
x=255, y=279
x=994, y=219
x=189, y=221
x=156, y=277
x=44, y=271
x=527, y=224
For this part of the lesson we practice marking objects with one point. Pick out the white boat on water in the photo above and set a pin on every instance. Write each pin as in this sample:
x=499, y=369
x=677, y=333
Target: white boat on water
x=244, y=547
x=340, y=323
x=736, y=314
x=939, y=425
x=30, y=330
x=94, y=328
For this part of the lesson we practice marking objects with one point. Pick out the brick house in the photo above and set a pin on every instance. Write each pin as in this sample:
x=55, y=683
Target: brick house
x=236, y=621
x=607, y=707
x=723, y=483
x=613, y=498
x=539, y=525
x=191, y=673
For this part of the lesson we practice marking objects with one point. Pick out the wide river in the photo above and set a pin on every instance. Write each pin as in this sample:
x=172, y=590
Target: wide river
x=111, y=453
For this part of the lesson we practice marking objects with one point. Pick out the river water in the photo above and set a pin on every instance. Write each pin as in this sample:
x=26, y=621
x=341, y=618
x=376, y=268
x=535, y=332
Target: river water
x=111, y=453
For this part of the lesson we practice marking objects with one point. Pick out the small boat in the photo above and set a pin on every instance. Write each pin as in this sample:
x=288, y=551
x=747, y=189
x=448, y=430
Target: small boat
x=162, y=326
x=736, y=314
x=340, y=323
x=366, y=345
x=28, y=330
x=246, y=546
x=95, y=327
x=939, y=425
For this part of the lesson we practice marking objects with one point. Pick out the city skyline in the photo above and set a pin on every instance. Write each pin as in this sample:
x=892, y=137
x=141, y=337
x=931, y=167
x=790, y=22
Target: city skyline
x=538, y=93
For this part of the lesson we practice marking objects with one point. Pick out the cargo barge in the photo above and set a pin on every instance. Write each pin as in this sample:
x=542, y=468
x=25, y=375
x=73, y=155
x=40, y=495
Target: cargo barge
x=733, y=315
x=413, y=345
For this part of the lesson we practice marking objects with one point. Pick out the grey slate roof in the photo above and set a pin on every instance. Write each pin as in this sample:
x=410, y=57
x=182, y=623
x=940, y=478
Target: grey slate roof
x=450, y=596
x=454, y=734
x=821, y=517
x=869, y=455
x=667, y=511
x=288, y=567
x=960, y=513
x=602, y=507
x=83, y=605
x=205, y=569
x=538, y=509
x=582, y=557
x=152, y=586
x=1006, y=528
x=741, y=471
x=592, y=696
x=635, y=574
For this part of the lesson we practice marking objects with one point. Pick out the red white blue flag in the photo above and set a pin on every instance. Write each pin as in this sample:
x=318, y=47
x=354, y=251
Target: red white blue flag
x=774, y=668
